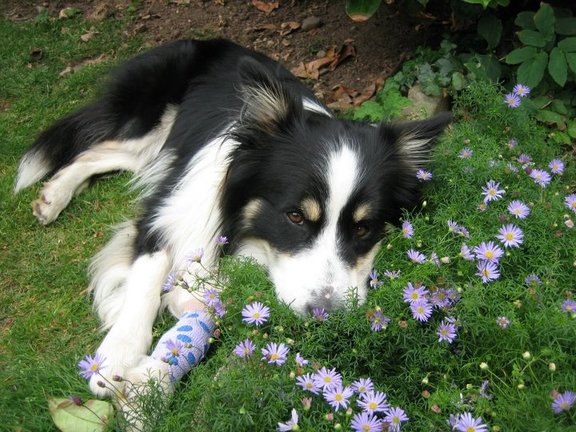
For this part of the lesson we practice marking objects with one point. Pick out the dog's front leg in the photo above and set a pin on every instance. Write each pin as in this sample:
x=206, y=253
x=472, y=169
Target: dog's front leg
x=131, y=335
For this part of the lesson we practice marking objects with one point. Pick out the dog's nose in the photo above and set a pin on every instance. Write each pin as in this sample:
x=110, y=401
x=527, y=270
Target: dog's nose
x=323, y=299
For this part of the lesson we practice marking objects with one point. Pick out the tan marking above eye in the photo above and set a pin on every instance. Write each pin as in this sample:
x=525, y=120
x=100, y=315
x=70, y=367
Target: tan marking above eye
x=362, y=212
x=311, y=209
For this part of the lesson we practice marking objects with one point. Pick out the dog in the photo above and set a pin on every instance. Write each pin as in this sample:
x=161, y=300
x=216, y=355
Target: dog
x=224, y=141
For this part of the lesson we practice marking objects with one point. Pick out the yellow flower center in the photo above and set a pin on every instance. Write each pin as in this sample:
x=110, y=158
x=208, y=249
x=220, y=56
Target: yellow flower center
x=489, y=254
x=509, y=236
x=338, y=397
x=372, y=405
x=274, y=356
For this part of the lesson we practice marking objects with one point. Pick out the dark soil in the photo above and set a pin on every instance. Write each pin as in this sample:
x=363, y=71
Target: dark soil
x=351, y=60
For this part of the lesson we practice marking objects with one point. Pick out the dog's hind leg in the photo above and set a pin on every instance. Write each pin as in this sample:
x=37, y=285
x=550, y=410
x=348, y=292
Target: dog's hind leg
x=130, y=334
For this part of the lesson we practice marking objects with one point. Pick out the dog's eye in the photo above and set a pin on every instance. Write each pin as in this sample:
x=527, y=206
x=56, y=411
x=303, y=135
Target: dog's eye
x=296, y=217
x=361, y=230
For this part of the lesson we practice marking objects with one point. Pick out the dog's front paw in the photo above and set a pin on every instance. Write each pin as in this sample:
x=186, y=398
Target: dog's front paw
x=50, y=203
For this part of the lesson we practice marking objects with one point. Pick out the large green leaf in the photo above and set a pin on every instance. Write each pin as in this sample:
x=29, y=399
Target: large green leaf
x=566, y=26
x=490, y=28
x=520, y=55
x=532, y=38
x=361, y=10
x=544, y=20
x=93, y=416
x=557, y=67
x=531, y=72
x=568, y=44
x=525, y=20
x=571, y=60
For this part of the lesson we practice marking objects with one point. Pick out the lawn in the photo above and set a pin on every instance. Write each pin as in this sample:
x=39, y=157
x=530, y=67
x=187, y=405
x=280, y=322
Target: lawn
x=508, y=350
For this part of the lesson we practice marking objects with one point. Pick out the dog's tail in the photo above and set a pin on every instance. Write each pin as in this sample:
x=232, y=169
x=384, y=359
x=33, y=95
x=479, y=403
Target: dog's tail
x=135, y=99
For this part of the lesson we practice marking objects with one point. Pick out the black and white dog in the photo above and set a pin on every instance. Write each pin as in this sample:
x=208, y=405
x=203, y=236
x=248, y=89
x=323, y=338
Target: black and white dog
x=225, y=141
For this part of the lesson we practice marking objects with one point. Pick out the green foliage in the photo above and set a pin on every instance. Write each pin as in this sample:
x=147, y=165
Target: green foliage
x=388, y=104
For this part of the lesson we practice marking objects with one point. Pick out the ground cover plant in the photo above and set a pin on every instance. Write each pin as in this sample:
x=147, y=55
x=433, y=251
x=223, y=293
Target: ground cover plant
x=469, y=324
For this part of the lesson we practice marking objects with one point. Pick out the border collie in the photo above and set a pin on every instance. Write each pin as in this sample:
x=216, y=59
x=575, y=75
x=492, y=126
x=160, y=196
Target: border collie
x=225, y=141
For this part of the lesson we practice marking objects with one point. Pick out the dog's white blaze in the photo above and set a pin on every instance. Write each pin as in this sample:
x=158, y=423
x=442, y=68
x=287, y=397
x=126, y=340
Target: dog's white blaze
x=318, y=276
x=188, y=219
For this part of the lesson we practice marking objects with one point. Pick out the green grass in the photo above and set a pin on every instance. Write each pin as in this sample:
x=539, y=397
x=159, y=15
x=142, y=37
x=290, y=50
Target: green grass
x=46, y=324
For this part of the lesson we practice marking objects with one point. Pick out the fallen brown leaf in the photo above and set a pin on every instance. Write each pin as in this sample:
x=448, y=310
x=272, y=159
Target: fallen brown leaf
x=73, y=68
x=265, y=6
x=89, y=34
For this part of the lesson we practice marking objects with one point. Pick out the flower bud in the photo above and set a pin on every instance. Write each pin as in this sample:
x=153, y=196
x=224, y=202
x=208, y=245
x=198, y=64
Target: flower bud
x=483, y=365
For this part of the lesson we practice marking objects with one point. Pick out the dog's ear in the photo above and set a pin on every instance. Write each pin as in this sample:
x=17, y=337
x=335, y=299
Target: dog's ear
x=413, y=140
x=268, y=103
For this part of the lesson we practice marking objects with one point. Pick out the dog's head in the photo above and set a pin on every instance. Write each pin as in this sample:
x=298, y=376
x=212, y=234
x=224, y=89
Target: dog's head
x=309, y=196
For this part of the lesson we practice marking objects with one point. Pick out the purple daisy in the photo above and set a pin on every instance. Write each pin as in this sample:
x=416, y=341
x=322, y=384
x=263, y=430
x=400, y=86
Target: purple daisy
x=466, y=253
x=366, y=422
x=363, y=385
x=320, y=314
x=415, y=293
x=394, y=417
x=488, y=251
x=222, y=240
x=211, y=296
x=90, y=366
x=392, y=274
x=300, y=361
x=518, y=209
x=524, y=159
x=467, y=423
x=307, y=383
x=503, y=322
x=407, y=230
x=510, y=236
x=378, y=320
x=195, y=257
x=492, y=192
x=465, y=153
x=275, y=353
x=512, y=100
x=446, y=332
x=255, y=313
x=245, y=349
x=169, y=283
x=291, y=424
x=570, y=202
x=521, y=90
x=324, y=378
x=563, y=402
x=533, y=279
x=556, y=166
x=373, y=402
x=338, y=396
x=488, y=271
x=541, y=177
x=374, y=281
x=417, y=257
x=421, y=310
x=569, y=306
x=423, y=175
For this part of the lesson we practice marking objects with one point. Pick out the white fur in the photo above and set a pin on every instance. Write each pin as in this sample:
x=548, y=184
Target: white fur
x=130, y=336
x=32, y=168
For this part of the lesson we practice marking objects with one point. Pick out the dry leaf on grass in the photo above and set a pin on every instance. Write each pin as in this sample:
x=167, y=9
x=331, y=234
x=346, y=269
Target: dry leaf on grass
x=73, y=68
x=333, y=58
x=265, y=7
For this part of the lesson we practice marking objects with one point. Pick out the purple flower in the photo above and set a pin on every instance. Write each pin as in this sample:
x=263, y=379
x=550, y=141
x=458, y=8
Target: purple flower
x=222, y=240
x=325, y=378
x=394, y=417
x=524, y=159
x=300, y=361
x=465, y=153
x=488, y=271
x=491, y=191
x=245, y=349
x=373, y=402
x=444, y=297
x=320, y=314
x=541, y=177
x=512, y=100
x=512, y=143
x=174, y=348
x=374, y=281
x=446, y=332
x=570, y=202
x=211, y=296
x=518, y=209
x=219, y=308
x=392, y=274
x=503, y=322
x=415, y=293
x=275, y=353
x=510, y=236
x=556, y=166
x=488, y=251
x=366, y=422
x=255, y=313
x=484, y=390
x=196, y=256
x=421, y=310
x=416, y=256
x=467, y=423
x=466, y=253
x=90, y=366
x=378, y=320
x=563, y=402
x=169, y=283
x=337, y=396
x=363, y=385
x=521, y=90
x=291, y=424
x=423, y=175
x=307, y=383
x=407, y=230
x=569, y=306
x=532, y=279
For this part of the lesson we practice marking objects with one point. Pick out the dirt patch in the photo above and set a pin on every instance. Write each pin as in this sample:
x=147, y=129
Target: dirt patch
x=345, y=62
